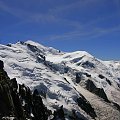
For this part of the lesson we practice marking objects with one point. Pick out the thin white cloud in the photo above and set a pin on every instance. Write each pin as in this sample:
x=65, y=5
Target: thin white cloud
x=82, y=5
x=51, y=16
x=81, y=30
x=26, y=15
x=80, y=35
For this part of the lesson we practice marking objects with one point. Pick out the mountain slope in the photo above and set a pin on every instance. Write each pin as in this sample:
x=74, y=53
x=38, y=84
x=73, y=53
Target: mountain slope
x=61, y=78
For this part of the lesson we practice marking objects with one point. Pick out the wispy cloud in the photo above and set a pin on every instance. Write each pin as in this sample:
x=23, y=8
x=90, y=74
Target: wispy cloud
x=52, y=15
x=80, y=35
x=38, y=17
x=76, y=4
x=27, y=15
x=56, y=15
x=11, y=10
x=82, y=5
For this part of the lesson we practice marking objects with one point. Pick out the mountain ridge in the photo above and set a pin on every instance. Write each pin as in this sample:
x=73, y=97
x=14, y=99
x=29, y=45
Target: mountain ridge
x=62, y=76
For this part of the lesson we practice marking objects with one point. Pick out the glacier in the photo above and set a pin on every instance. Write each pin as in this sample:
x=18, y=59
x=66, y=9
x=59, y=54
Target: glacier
x=54, y=73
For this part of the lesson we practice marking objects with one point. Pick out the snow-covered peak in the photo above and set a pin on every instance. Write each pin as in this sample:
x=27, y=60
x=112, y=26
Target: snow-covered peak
x=47, y=50
x=54, y=73
x=80, y=53
x=35, y=44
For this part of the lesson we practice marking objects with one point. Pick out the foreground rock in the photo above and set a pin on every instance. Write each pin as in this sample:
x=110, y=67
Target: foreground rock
x=19, y=104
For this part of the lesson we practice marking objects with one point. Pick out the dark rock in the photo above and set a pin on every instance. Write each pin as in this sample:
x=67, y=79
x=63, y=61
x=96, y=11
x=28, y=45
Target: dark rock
x=78, y=77
x=108, y=81
x=86, y=106
x=39, y=110
x=118, y=79
x=118, y=85
x=21, y=42
x=88, y=75
x=6, y=101
x=59, y=114
x=116, y=105
x=18, y=105
x=66, y=80
x=44, y=58
x=101, y=76
x=9, y=45
x=98, y=91
x=14, y=84
x=76, y=60
x=90, y=86
x=66, y=69
x=88, y=64
x=33, y=48
x=12, y=99
x=1, y=65
x=76, y=116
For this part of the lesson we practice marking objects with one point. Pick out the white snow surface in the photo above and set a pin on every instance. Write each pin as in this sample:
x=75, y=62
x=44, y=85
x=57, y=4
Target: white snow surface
x=50, y=77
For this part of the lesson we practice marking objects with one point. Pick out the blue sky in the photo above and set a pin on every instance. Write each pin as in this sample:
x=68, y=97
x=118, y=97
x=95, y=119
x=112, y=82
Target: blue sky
x=68, y=25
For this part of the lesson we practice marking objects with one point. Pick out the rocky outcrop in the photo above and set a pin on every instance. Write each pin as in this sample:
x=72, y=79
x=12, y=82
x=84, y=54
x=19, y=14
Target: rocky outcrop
x=101, y=76
x=6, y=102
x=59, y=114
x=1, y=65
x=88, y=64
x=108, y=81
x=76, y=116
x=87, y=75
x=18, y=101
x=86, y=106
x=98, y=91
x=78, y=77
x=116, y=105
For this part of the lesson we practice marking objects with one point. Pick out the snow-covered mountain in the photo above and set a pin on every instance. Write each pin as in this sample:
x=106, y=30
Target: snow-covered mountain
x=66, y=79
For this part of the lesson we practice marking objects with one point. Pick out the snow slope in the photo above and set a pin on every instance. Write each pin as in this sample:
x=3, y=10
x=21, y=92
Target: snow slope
x=53, y=73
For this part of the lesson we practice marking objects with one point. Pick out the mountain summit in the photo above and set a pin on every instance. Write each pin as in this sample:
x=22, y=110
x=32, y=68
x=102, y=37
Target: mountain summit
x=86, y=87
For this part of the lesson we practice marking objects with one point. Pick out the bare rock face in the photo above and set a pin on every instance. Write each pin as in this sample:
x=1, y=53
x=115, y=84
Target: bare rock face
x=6, y=102
x=1, y=65
x=86, y=106
x=12, y=99
x=98, y=91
